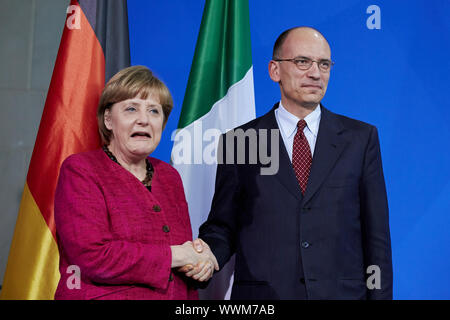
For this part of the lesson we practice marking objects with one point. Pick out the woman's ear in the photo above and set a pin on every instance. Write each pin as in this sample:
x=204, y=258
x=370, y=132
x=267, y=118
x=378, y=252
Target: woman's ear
x=107, y=119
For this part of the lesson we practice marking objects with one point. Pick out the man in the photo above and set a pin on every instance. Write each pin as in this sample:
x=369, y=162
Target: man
x=318, y=227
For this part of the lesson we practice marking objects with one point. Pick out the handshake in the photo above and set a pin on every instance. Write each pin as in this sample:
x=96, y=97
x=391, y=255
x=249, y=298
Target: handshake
x=195, y=259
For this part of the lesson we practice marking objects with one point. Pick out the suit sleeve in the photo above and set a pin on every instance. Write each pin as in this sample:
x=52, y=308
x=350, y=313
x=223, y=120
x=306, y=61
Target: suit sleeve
x=219, y=231
x=375, y=219
x=82, y=225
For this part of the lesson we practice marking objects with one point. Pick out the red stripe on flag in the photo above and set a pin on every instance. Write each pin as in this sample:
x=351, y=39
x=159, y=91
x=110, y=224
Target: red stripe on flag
x=68, y=124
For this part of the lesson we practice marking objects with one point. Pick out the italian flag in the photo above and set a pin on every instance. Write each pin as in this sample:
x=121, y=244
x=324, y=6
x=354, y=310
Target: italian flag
x=219, y=97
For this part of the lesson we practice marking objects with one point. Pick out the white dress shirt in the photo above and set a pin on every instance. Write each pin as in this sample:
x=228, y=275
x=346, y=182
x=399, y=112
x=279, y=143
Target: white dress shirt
x=287, y=123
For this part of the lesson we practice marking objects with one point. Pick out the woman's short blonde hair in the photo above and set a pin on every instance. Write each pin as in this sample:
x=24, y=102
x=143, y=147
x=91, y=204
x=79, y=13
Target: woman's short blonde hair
x=129, y=83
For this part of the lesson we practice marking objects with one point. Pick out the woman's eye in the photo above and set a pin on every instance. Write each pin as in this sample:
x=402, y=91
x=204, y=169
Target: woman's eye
x=155, y=111
x=130, y=109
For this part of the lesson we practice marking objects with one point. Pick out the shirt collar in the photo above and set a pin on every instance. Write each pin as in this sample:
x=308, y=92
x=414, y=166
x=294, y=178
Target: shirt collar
x=288, y=122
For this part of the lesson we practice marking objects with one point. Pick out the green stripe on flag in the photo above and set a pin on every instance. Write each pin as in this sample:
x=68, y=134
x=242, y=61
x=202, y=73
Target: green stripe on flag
x=222, y=57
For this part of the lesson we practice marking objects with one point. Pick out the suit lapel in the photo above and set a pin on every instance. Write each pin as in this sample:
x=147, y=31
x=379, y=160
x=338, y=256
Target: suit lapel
x=285, y=174
x=329, y=146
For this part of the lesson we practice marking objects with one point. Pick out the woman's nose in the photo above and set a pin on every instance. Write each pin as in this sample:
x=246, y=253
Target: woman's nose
x=142, y=118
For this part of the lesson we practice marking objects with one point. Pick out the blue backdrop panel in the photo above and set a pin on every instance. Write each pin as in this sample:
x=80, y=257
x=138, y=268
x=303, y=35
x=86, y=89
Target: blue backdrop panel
x=395, y=77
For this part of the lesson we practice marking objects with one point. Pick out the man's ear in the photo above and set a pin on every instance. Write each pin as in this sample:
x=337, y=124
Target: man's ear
x=107, y=119
x=274, y=71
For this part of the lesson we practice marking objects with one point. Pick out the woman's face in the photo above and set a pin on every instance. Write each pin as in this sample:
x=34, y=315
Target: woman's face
x=136, y=125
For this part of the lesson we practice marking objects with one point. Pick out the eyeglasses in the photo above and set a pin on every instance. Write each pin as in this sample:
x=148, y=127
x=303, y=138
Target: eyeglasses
x=304, y=63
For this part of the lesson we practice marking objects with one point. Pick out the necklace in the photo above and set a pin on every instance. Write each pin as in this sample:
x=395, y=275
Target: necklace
x=148, y=176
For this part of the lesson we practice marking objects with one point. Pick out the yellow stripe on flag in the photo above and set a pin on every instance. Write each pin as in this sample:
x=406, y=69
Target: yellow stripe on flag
x=32, y=270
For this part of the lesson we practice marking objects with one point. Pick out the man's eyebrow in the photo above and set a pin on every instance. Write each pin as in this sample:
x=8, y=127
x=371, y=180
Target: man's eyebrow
x=304, y=57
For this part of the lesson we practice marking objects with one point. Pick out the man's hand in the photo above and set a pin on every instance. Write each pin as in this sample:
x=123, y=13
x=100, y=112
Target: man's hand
x=203, y=270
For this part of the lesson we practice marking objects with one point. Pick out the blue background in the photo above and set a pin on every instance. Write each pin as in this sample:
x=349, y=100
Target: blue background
x=396, y=78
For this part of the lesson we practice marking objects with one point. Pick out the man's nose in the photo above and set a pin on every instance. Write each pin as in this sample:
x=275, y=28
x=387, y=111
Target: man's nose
x=314, y=71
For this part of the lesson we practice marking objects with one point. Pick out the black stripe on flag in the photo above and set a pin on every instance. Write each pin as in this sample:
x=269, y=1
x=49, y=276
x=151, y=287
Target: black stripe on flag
x=109, y=20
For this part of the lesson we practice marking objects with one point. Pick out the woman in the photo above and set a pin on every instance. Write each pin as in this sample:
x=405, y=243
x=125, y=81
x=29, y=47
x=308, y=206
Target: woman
x=121, y=216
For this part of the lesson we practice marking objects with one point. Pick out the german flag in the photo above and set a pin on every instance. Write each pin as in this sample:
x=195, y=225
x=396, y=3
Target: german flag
x=94, y=46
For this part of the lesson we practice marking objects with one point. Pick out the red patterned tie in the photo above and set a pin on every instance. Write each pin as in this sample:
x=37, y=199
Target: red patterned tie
x=301, y=156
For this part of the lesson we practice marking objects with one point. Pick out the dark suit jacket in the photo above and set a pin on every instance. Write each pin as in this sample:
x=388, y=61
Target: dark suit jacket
x=312, y=246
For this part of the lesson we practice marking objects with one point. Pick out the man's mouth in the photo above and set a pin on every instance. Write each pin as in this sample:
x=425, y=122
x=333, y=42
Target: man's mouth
x=315, y=86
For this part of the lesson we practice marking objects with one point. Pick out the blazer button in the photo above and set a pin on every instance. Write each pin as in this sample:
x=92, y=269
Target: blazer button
x=166, y=228
x=171, y=277
x=302, y=280
x=156, y=208
x=305, y=244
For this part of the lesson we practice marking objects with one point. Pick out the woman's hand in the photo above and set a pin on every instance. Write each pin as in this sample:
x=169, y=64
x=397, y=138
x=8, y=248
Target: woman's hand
x=198, y=263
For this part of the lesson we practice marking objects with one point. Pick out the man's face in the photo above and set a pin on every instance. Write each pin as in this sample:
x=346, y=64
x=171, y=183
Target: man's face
x=301, y=88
